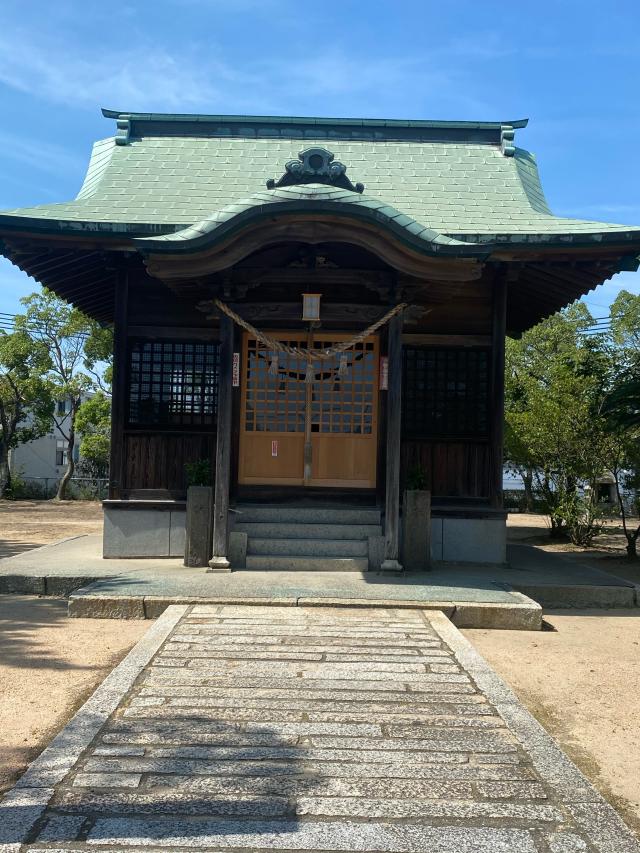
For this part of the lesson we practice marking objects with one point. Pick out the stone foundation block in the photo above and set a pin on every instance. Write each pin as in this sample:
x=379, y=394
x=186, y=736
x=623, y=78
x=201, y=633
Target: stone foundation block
x=238, y=542
x=106, y=607
x=523, y=615
x=474, y=540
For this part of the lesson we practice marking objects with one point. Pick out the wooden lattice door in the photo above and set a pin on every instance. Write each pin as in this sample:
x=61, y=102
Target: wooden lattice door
x=320, y=433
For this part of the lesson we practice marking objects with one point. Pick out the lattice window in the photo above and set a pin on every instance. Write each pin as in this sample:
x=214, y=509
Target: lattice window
x=173, y=383
x=341, y=396
x=275, y=402
x=343, y=399
x=445, y=392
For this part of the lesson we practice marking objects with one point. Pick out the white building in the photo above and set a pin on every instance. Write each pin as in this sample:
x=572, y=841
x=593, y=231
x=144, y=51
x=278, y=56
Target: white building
x=44, y=460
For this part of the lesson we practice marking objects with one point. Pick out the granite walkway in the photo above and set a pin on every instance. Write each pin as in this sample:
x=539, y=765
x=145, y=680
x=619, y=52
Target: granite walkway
x=310, y=729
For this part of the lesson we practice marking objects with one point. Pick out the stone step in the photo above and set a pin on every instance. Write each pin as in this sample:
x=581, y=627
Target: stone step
x=293, y=530
x=308, y=547
x=261, y=563
x=306, y=514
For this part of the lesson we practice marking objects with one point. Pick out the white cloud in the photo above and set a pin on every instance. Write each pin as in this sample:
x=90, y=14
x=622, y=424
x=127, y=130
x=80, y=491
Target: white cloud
x=42, y=156
x=61, y=74
x=61, y=69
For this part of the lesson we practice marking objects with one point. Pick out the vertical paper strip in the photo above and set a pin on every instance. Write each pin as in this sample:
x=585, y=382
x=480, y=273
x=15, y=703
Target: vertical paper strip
x=384, y=373
x=235, y=371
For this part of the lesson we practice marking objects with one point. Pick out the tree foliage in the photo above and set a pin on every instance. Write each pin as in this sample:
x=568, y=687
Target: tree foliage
x=26, y=403
x=93, y=422
x=75, y=347
x=563, y=427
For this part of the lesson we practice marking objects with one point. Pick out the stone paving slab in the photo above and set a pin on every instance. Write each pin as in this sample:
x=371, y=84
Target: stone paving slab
x=228, y=751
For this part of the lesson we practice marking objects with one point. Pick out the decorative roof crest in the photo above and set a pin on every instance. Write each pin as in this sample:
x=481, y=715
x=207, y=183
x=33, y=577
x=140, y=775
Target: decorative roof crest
x=315, y=165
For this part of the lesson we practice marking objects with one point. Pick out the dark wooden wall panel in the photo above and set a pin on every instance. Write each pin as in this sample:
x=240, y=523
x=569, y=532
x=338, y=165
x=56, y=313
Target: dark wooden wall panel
x=156, y=460
x=453, y=469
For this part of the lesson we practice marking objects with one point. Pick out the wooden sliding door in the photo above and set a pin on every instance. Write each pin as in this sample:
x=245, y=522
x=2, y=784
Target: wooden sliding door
x=313, y=433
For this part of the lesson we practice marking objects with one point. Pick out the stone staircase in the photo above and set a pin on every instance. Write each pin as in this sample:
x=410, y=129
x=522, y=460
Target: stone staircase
x=306, y=539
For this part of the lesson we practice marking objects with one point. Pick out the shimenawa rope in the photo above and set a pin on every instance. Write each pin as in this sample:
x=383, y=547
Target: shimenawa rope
x=309, y=355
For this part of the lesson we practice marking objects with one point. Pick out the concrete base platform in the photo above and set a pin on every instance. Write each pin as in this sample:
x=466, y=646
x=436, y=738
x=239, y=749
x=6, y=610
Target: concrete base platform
x=472, y=596
x=144, y=588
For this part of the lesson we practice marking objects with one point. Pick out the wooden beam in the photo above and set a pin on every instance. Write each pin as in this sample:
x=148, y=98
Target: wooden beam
x=447, y=340
x=188, y=333
x=48, y=262
x=304, y=276
x=394, y=422
x=219, y=561
x=274, y=314
x=313, y=229
x=496, y=415
x=118, y=401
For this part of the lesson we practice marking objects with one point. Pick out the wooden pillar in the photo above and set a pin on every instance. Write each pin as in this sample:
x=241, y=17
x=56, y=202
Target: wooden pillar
x=219, y=561
x=119, y=386
x=394, y=423
x=496, y=416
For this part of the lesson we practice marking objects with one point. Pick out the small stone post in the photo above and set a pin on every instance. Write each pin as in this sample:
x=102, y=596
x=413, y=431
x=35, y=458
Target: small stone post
x=416, y=530
x=197, y=546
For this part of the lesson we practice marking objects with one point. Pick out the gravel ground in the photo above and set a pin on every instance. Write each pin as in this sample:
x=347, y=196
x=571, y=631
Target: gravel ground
x=582, y=682
x=49, y=665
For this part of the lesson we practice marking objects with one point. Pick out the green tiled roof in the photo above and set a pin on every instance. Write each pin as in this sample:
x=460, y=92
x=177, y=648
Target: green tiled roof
x=169, y=172
x=295, y=199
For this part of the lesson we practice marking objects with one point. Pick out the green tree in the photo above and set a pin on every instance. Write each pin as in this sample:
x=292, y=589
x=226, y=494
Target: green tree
x=622, y=405
x=26, y=404
x=621, y=410
x=93, y=422
x=569, y=418
x=75, y=346
x=554, y=381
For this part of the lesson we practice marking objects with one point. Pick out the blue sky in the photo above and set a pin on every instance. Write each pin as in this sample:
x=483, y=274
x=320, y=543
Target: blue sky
x=571, y=67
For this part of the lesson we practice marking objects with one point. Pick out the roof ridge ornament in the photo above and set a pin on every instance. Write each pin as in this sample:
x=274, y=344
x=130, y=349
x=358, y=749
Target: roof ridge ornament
x=315, y=165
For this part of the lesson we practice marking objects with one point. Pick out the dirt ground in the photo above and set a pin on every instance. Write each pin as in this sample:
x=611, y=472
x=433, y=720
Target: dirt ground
x=29, y=524
x=49, y=665
x=581, y=680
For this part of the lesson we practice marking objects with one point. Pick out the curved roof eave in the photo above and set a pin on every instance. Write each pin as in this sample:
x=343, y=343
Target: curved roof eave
x=306, y=199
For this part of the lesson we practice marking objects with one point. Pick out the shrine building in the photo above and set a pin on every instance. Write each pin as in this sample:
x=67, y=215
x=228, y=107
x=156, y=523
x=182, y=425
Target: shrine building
x=313, y=312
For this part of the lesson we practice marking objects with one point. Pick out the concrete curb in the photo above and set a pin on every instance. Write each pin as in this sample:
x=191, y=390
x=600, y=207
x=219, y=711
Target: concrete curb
x=580, y=595
x=54, y=585
x=590, y=810
x=522, y=614
x=525, y=615
x=24, y=804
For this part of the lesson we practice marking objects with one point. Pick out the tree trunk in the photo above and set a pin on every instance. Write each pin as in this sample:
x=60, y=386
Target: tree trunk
x=632, y=544
x=61, y=494
x=527, y=480
x=631, y=536
x=5, y=474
